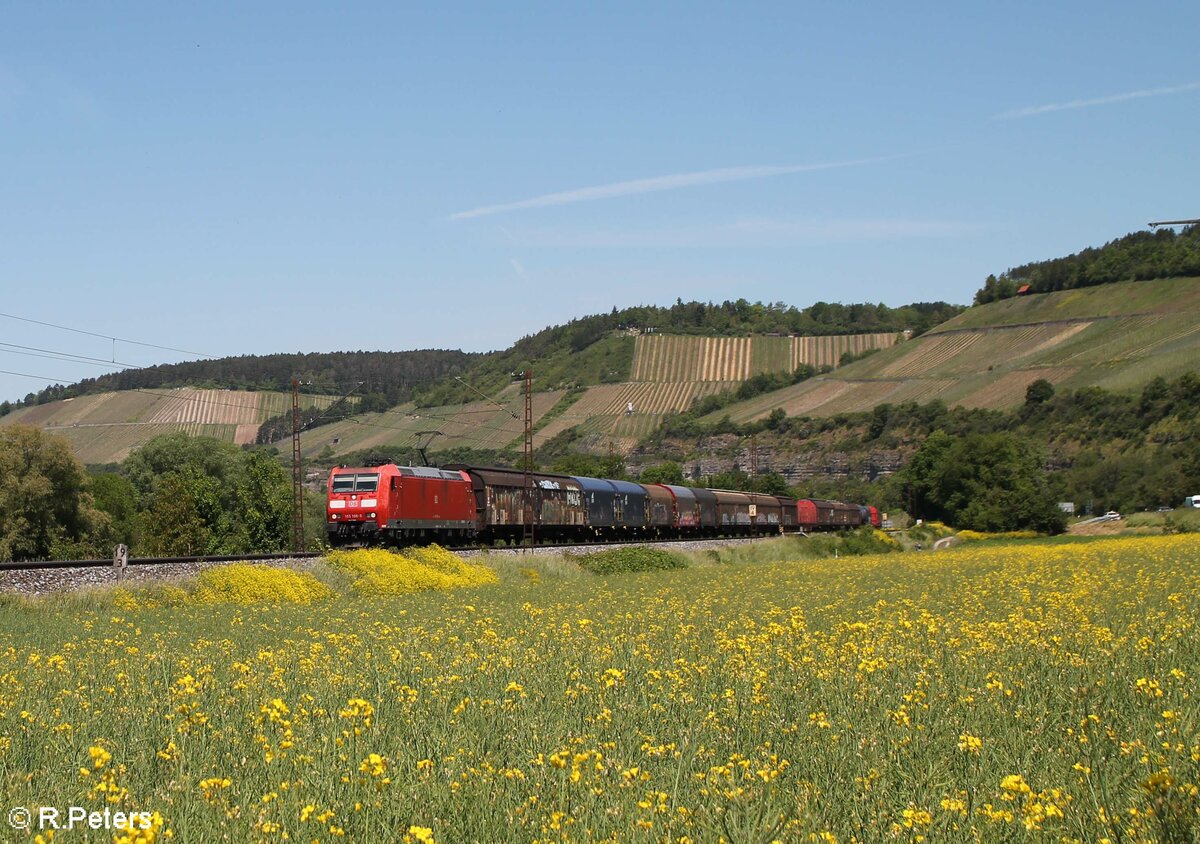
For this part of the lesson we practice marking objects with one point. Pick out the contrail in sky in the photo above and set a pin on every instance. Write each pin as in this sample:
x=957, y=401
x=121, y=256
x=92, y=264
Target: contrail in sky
x=660, y=183
x=1112, y=98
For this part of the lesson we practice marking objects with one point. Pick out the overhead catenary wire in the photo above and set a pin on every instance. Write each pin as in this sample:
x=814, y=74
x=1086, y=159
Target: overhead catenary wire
x=106, y=336
x=332, y=405
x=65, y=357
x=45, y=378
x=199, y=399
x=486, y=397
x=475, y=436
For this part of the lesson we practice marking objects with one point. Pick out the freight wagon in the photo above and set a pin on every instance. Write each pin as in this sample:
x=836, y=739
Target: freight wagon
x=461, y=503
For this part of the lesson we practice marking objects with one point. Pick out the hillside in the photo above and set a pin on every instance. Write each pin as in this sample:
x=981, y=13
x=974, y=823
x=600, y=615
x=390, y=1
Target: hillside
x=603, y=384
x=587, y=372
x=105, y=427
x=1116, y=336
x=670, y=373
x=665, y=374
x=601, y=349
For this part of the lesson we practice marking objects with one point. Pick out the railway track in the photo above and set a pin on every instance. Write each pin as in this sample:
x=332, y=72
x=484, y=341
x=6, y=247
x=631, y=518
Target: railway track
x=36, y=565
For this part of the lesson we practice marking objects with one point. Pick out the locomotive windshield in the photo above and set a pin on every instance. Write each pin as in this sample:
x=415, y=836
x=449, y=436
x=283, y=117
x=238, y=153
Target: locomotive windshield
x=355, y=483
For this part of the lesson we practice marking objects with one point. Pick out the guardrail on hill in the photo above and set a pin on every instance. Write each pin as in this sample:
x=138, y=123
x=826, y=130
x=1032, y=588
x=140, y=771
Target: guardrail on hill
x=1107, y=517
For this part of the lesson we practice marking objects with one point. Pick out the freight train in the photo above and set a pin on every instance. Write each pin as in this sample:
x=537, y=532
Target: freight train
x=459, y=504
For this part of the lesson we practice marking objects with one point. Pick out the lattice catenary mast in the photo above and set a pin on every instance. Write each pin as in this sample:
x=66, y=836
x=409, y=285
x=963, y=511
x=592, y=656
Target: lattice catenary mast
x=527, y=538
x=297, y=473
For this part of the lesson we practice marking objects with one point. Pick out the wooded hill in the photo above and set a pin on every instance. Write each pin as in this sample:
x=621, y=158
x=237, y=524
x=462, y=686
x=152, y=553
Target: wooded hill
x=394, y=375
x=1139, y=256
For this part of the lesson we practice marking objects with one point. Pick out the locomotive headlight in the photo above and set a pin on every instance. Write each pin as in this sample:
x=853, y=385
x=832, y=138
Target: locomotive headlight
x=371, y=516
x=334, y=516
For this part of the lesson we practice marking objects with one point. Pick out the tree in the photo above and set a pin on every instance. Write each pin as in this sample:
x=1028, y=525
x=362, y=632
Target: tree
x=879, y=420
x=663, y=473
x=172, y=452
x=262, y=513
x=579, y=465
x=373, y=403
x=1039, y=392
x=44, y=501
x=734, y=479
x=205, y=496
x=116, y=496
x=178, y=518
x=771, y=483
x=776, y=419
x=985, y=482
x=590, y=466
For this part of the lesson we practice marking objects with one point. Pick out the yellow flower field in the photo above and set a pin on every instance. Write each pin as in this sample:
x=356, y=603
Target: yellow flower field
x=1031, y=691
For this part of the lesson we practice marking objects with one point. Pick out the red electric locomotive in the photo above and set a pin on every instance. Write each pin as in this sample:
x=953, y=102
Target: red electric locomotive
x=396, y=504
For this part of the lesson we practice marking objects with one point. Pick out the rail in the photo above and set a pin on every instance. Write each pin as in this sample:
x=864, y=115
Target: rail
x=31, y=565
x=118, y=562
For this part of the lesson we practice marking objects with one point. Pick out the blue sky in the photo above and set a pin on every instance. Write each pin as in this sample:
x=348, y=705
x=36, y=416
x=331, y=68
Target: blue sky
x=256, y=178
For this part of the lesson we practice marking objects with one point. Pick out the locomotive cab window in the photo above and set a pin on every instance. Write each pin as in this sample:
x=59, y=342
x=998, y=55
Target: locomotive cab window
x=355, y=483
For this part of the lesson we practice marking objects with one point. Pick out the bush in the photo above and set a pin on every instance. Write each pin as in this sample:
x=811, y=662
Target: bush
x=975, y=536
x=622, y=560
x=255, y=583
x=865, y=540
x=152, y=596
x=380, y=572
x=929, y=532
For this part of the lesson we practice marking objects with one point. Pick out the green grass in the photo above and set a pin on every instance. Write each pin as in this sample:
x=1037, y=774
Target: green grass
x=1129, y=297
x=627, y=560
x=1179, y=520
x=770, y=355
